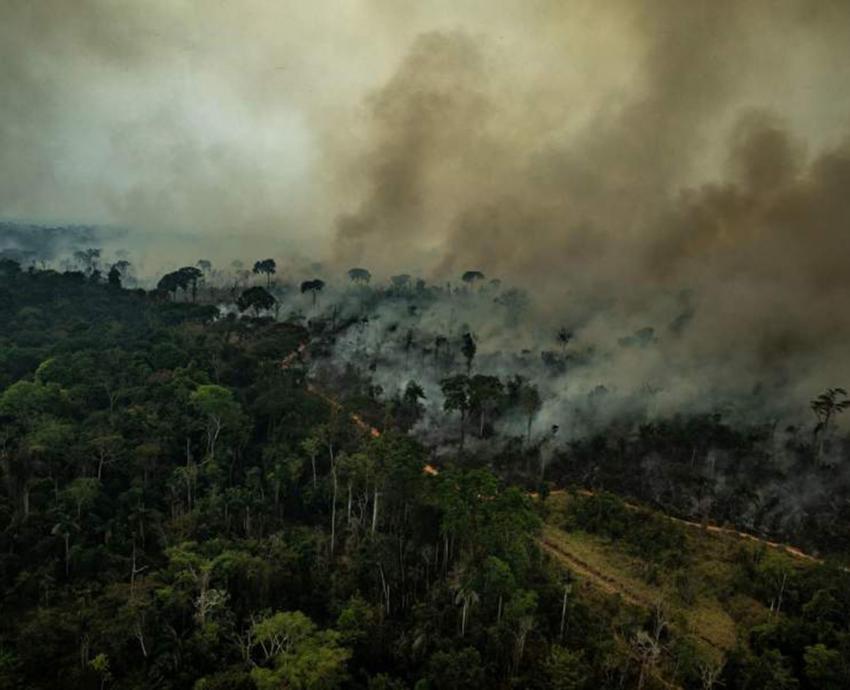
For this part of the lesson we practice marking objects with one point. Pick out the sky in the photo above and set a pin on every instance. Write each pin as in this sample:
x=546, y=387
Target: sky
x=624, y=152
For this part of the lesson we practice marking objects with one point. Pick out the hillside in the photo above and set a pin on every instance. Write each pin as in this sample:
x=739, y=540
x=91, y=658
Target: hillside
x=716, y=590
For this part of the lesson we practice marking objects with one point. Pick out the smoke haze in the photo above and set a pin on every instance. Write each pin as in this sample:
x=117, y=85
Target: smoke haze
x=683, y=163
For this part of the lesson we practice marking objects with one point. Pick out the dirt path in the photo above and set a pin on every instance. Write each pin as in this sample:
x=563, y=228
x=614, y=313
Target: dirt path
x=297, y=354
x=606, y=583
x=792, y=551
x=601, y=581
x=355, y=418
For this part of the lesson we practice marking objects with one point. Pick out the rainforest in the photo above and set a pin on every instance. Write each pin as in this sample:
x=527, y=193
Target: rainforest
x=395, y=345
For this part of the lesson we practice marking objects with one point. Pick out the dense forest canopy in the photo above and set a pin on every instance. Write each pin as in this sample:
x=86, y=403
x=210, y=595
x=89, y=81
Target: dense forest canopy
x=205, y=486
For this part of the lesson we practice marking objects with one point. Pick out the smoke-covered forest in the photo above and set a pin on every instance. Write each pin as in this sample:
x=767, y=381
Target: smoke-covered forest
x=238, y=476
x=424, y=345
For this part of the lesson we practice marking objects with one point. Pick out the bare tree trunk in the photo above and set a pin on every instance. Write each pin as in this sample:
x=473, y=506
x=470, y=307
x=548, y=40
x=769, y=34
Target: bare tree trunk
x=188, y=475
x=67, y=554
x=386, y=589
x=333, y=508
x=140, y=636
x=348, y=516
x=564, y=613
x=463, y=617
x=375, y=510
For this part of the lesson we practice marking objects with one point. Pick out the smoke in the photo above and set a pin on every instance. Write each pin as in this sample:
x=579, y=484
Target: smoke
x=700, y=173
x=679, y=166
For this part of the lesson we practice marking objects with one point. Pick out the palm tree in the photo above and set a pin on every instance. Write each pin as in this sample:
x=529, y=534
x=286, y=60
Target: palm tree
x=359, y=275
x=401, y=281
x=314, y=286
x=472, y=277
x=564, y=337
x=825, y=407
x=267, y=266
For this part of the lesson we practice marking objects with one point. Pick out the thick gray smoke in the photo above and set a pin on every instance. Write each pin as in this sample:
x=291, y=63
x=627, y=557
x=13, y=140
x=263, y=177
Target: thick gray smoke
x=680, y=166
x=701, y=175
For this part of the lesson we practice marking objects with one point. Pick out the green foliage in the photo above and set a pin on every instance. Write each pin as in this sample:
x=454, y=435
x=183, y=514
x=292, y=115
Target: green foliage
x=185, y=279
x=256, y=298
x=301, y=656
x=25, y=400
x=566, y=669
x=215, y=401
x=647, y=535
x=456, y=670
x=826, y=668
x=169, y=484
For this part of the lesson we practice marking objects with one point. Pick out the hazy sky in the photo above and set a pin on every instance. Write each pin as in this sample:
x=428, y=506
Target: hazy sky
x=263, y=118
x=615, y=149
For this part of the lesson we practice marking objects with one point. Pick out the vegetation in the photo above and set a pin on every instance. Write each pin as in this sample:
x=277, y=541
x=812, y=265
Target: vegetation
x=182, y=507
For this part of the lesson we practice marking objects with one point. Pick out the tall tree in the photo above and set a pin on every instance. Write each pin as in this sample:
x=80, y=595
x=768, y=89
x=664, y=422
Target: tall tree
x=401, y=281
x=359, y=275
x=472, y=277
x=457, y=399
x=485, y=393
x=314, y=287
x=88, y=259
x=564, y=337
x=113, y=278
x=291, y=652
x=219, y=408
x=468, y=348
x=267, y=266
x=526, y=397
x=185, y=279
x=826, y=407
x=411, y=407
x=256, y=298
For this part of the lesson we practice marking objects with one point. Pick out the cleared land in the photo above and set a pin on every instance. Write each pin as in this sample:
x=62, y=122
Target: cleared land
x=700, y=595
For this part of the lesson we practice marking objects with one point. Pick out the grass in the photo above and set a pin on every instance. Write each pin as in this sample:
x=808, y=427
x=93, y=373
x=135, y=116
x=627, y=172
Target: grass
x=701, y=595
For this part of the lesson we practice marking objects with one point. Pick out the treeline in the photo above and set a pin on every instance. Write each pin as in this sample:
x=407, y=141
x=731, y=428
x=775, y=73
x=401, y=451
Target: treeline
x=757, y=477
x=179, y=510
